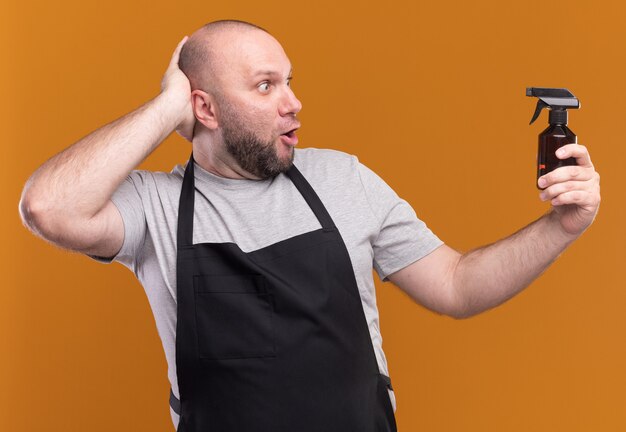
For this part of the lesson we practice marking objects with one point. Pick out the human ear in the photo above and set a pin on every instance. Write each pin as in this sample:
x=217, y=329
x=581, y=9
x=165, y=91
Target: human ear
x=204, y=108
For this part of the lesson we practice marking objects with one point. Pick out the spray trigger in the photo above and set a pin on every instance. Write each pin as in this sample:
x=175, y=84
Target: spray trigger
x=540, y=105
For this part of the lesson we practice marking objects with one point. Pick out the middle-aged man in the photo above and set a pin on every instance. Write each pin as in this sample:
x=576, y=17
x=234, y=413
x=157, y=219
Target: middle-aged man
x=257, y=257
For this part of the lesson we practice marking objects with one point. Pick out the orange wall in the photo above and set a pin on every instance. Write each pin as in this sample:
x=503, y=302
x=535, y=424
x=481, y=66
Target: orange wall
x=431, y=95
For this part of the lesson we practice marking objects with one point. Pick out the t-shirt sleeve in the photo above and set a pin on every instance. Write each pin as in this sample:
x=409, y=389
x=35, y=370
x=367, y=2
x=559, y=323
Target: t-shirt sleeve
x=402, y=238
x=128, y=200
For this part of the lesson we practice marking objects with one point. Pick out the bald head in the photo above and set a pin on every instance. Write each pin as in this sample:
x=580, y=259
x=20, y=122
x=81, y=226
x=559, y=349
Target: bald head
x=207, y=50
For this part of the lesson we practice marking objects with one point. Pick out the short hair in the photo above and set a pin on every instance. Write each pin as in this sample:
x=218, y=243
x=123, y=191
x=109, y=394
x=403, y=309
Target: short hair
x=198, y=55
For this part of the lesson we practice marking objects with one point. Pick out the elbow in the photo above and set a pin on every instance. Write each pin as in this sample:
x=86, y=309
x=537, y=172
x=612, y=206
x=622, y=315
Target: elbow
x=459, y=311
x=28, y=212
x=461, y=314
x=459, y=303
x=29, y=206
x=466, y=306
x=460, y=306
x=36, y=216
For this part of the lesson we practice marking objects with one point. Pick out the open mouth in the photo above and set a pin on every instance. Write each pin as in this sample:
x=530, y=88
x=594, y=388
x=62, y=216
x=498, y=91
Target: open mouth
x=290, y=138
x=291, y=133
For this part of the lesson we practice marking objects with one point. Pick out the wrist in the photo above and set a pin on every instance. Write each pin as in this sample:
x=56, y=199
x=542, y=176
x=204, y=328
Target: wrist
x=171, y=107
x=556, y=228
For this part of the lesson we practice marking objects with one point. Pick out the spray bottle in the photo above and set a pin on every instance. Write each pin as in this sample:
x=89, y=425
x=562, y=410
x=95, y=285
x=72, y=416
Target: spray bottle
x=558, y=101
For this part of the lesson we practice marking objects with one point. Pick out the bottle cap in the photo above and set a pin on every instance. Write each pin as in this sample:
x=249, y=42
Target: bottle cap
x=558, y=116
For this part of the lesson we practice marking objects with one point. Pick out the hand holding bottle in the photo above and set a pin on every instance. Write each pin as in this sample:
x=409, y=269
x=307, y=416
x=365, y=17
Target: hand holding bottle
x=574, y=191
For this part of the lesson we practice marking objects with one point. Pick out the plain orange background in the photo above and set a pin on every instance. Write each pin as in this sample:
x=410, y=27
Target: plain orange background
x=431, y=96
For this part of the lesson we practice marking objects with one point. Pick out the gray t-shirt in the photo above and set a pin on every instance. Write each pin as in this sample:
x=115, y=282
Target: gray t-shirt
x=380, y=230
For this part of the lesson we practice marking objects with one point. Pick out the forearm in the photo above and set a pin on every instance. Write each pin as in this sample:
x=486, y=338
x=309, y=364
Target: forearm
x=490, y=275
x=76, y=183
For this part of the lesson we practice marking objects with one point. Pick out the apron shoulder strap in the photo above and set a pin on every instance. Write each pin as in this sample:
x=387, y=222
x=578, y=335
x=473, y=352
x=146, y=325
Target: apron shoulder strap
x=311, y=198
x=185, y=207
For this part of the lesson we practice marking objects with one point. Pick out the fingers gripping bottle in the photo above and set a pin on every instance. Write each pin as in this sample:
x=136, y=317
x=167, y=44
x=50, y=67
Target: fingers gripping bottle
x=558, y=101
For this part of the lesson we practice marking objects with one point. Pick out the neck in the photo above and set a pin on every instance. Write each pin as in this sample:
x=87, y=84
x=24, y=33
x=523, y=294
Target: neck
x=211, y=156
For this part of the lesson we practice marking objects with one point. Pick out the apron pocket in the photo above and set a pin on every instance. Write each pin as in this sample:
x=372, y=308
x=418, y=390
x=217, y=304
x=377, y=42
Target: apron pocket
x=234, y=316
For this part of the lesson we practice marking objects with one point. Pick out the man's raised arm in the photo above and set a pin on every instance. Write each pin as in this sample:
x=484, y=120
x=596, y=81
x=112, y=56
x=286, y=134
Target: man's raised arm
x=462, y=285
x=67, y=200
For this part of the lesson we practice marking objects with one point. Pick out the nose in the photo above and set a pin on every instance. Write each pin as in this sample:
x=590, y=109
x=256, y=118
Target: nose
x=290, y=105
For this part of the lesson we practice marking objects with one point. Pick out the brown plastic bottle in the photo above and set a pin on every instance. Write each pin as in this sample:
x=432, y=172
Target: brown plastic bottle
x=555, y=136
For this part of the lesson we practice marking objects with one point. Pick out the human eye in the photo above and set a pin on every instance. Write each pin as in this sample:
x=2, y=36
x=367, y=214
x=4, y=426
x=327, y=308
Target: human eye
x=264, y=86
x=289, y=81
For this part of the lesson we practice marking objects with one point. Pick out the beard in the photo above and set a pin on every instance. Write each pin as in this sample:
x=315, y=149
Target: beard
x=253, y=154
